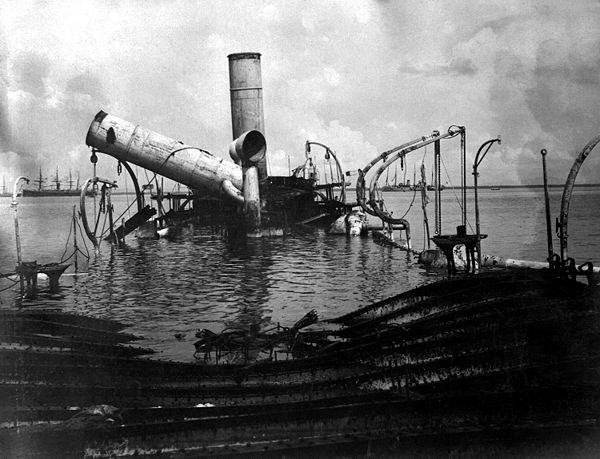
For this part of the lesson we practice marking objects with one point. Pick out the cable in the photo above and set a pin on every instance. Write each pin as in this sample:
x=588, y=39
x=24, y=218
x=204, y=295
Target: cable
x=123, y=213
x=460, y=205
x=87, y=254
x=10, y=286
x=62, y=260
x=102, y=231
x=127, y=197
x=411, y=203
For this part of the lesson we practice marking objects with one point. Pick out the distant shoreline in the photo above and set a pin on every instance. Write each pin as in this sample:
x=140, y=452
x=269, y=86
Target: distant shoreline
x=481, y=187
x=487, y=187
x=582, y=185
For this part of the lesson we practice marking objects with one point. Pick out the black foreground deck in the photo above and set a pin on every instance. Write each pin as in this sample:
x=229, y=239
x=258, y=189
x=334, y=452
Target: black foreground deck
x=497, y=364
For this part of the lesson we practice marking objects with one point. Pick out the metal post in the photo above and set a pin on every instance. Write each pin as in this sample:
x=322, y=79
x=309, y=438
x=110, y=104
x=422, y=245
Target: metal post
x=477, y=228
x=75, y=250
x=252, y=202
x=463, y=174
x=438, y=198
x=547, y=202
x=423, y=206
x=14, y=205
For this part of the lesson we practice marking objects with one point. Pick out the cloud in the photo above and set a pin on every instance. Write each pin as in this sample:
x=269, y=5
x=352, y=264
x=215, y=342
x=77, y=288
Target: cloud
x=359, y=76
x=457, y=66
x=30, y=70
x=5, y=137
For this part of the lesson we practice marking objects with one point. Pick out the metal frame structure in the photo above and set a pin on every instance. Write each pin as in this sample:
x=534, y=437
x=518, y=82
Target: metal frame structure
x=374, y=208
x=340, y=171
x=476, y=164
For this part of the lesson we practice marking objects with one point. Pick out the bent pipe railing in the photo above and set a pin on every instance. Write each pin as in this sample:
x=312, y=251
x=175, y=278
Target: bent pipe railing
x=476, y=165
x=139, y=197
x=377, y=210
x=91, y=236
x=360, y=181
x=329, y=151
x=566, y=197
x=544, y=152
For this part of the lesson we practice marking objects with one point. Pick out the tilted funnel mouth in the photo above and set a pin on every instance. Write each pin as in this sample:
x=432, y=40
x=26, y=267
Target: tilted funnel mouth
x=249, y=148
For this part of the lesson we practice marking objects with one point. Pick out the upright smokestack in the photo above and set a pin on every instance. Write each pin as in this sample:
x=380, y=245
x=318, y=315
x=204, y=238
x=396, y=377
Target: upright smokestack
x=245, y=85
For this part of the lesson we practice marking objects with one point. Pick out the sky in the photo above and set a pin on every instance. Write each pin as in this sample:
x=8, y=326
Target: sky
x=359, y=76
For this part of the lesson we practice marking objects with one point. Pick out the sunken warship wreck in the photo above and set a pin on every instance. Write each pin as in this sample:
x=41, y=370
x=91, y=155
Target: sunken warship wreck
x=223, y=189
x=488, y=362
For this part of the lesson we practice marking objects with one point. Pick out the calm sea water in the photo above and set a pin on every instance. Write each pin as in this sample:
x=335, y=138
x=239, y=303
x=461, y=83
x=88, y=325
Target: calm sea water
x=167, y=289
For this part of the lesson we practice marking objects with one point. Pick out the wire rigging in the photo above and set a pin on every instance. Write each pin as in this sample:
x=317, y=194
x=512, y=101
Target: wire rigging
x=458, y=200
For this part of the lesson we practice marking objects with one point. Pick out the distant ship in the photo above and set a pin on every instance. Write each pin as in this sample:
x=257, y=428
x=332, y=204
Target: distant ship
x=4, y=193
x=57, y=190
x=396, y=186
x=432, y=187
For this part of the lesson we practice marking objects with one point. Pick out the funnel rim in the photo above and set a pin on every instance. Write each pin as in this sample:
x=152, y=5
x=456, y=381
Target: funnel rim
x=248, y=55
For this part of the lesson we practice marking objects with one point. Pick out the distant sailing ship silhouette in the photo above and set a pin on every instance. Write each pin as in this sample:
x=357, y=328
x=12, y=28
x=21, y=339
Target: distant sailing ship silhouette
x=56, y=190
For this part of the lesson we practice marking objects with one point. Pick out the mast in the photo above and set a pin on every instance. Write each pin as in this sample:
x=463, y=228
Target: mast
x=40, y=180
x=57, y=180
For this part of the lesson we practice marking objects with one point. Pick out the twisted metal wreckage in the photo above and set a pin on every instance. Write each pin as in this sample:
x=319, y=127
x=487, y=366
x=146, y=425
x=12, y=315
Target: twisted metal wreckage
x=453, y=364
x=505, y=360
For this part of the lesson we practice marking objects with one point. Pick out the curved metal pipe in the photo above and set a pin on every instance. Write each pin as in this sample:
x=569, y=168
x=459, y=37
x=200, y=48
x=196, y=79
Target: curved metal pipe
x=16, y=187
x=567, y=193
x=88, y=182
x=425, y=141
x=337, y=164
x=138, y=194
x=360, y=181
x=230, y=190
x=377, y=210
x=544, y=152
x=476, y=164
